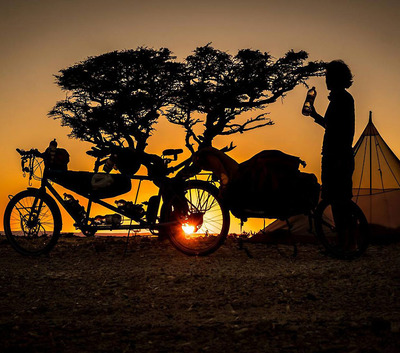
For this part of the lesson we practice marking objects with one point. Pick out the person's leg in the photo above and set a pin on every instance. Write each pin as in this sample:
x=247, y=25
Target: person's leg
x=337, y=188
x=341, y=210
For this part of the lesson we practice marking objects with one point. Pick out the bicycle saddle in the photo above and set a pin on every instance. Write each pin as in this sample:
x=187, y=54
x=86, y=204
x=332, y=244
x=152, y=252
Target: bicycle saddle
x=97, y=152
x=172, y=152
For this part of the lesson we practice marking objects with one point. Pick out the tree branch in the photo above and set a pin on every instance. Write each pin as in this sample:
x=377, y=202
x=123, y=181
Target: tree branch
x=234, y=128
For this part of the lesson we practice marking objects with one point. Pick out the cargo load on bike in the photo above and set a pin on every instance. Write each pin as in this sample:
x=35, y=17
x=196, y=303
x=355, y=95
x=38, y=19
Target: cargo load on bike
x=271, y=185
x=268, y=185
x=55, y=158
x=97, y=185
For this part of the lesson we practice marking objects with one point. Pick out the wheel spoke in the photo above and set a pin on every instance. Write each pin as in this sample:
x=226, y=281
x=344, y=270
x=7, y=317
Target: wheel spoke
x=211, y=222
x=32, y=224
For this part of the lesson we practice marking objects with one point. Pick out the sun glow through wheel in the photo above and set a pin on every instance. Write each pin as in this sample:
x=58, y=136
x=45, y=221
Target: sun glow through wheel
x=200, y=224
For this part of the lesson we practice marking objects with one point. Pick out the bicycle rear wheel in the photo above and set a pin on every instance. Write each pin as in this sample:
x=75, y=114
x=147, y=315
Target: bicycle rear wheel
x=348, y=244
x=32, y=222
x=199, y=223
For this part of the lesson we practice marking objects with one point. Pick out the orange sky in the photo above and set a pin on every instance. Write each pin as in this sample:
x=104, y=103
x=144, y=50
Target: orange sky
x=38, y=38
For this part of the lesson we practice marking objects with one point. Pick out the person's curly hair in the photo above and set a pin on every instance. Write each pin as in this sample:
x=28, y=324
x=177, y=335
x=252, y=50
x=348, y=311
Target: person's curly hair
x=339, y=74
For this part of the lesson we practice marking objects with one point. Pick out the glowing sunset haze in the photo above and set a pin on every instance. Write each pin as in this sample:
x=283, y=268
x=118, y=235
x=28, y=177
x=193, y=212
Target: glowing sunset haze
x=39, y=38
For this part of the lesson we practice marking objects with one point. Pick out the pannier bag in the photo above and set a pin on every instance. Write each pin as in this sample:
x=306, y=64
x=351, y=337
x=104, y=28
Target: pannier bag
x=97, y=185
x=56, y=158
x=271, y=184
x=128, y=160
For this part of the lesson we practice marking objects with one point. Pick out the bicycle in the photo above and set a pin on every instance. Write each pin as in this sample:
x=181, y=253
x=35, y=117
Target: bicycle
x=270, y=185
x=188, y=211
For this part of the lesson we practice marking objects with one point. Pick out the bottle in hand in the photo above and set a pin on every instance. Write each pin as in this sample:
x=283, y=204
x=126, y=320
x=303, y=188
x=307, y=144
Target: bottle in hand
x=309, y=102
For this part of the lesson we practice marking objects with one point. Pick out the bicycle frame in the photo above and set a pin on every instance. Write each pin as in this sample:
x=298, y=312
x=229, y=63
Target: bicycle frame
x=85, y=224
x=187, y=209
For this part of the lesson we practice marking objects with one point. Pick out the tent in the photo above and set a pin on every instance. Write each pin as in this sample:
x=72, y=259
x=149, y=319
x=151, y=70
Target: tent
x=376, y=189
x=376, y=180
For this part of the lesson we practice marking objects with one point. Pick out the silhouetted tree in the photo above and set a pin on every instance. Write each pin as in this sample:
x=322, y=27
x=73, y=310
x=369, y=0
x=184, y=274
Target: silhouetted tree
x=117, y=95
x=220, y=87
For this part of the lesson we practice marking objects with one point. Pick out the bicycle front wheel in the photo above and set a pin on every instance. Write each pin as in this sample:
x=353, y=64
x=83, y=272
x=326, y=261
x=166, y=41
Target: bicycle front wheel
x=347, y=244
x=32, y=222
x=199, y=222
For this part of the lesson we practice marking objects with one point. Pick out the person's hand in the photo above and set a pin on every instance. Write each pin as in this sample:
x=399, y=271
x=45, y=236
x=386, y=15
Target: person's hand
x=313, y=112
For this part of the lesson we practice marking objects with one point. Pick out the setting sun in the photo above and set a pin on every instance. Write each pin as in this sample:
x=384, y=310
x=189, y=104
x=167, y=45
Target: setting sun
x=188, y=229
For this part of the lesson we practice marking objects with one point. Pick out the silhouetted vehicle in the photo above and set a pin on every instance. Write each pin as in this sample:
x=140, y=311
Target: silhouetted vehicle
x=192, y=213
x=187, y=210
x=270, y=185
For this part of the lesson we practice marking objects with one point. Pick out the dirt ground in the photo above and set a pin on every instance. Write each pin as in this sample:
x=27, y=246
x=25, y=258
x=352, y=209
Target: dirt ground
x=101, y=295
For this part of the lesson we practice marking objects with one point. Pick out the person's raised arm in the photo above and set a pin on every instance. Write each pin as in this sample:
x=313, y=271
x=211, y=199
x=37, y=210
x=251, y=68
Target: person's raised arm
x=317, y=118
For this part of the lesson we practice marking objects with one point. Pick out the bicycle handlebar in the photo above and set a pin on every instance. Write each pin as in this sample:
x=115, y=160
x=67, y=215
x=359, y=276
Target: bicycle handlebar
x=29, y=164
x=31, y=152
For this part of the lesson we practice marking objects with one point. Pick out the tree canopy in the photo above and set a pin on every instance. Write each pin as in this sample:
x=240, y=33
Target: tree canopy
x=220, y=87
x=117, y=95
x=120, y=95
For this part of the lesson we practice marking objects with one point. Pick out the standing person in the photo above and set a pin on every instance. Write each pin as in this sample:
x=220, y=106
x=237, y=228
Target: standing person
x=337, y=152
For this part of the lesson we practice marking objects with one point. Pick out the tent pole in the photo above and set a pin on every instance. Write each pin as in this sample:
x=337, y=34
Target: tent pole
x=370, y=157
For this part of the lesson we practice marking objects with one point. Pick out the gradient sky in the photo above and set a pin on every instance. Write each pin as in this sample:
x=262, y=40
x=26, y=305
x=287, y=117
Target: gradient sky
x=38, y=38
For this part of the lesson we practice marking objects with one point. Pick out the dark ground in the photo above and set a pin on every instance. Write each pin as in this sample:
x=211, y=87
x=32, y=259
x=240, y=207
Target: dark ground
x=88, y=297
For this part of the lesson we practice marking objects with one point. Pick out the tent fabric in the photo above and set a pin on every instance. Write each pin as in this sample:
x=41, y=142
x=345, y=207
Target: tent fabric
x=300, y=229
x=381, y=208
x=376, y=179
x=376, y=189
x=377, y=168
